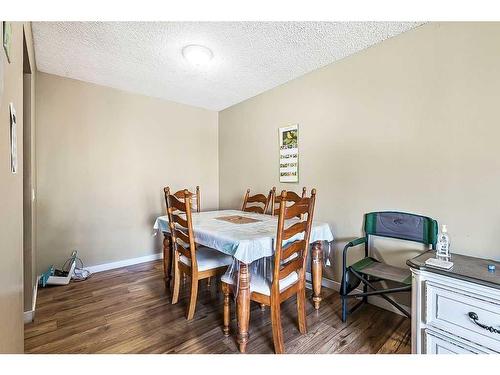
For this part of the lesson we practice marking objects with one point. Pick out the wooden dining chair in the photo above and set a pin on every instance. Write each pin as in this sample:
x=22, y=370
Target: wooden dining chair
x=167, y=257
x=254, y=200
x=291, y=197
x=288, y=275
x=190, y=259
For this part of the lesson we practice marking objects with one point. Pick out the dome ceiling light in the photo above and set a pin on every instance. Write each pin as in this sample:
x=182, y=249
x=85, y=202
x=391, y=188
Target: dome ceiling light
x=197, y=55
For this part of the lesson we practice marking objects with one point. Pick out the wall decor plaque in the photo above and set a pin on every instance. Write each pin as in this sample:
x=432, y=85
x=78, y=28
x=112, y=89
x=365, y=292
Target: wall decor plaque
x=289, y=153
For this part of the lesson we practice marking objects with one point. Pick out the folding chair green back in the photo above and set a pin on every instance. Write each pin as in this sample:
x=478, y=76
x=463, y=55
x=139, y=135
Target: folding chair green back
x=370, y=271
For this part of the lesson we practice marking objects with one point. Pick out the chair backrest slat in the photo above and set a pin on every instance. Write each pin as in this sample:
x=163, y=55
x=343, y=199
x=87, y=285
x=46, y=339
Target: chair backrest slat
x=175, y=204
x=294, y=265
x=290, y=257
x=257, y=198
x=179, y=220
x=291, y=197
x=298, y=209
x=292, y=248
x=256, y=209
x=182, y=250
x=181, y=235
x=294, y=229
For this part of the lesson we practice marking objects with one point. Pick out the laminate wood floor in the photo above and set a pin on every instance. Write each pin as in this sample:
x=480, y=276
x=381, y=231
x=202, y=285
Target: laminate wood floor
x=127, y=310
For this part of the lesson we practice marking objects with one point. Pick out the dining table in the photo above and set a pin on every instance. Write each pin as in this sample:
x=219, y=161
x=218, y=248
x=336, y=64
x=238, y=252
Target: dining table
x=248, y=237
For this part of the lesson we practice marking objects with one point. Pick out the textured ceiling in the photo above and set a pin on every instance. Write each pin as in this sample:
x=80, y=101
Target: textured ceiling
x=249, y=57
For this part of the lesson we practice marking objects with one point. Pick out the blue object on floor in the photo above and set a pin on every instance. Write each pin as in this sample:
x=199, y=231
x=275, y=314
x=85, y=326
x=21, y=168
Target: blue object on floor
x=44, y=277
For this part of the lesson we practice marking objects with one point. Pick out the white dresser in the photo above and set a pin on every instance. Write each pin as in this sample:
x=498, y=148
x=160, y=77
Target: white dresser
x=455, y=311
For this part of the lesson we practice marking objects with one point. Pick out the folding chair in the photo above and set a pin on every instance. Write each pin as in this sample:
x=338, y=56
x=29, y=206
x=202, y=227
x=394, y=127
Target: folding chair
x=369, y=271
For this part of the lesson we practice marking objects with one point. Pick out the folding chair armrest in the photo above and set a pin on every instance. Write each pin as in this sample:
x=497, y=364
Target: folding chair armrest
x=355, y=242
x=350, y=244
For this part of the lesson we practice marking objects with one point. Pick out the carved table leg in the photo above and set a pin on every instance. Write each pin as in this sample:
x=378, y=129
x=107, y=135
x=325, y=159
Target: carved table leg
x=317, y=272
x=167, y=258
x=243, y=306
x=227, y=309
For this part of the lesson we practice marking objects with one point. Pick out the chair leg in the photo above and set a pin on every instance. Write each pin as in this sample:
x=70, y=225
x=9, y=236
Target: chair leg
x=279, y=347
x=301, y=310
x=227, y=308
x=177, y=283
x=193, y=298
x=344, y=308
x=166, y=258
x=343, y=290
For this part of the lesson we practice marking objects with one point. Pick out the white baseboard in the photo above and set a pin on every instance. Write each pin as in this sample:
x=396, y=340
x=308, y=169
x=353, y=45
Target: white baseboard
x=374, y=300
x=124, y=263
x=30, y=315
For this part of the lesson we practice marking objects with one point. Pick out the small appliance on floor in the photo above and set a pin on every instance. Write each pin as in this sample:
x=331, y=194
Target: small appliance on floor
x=58, y=277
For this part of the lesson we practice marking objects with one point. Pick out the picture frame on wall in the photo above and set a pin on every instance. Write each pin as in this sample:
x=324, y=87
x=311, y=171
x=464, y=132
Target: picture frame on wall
x=1, y=65
x=13, y=139
x=7, y=38
x=289, y=153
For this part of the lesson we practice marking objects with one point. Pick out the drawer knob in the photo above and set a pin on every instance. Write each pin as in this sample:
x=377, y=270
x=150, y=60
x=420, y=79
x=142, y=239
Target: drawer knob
x=474, y=317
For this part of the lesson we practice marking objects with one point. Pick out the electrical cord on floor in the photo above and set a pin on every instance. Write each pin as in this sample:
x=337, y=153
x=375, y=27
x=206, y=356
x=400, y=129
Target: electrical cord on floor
x=80, y=273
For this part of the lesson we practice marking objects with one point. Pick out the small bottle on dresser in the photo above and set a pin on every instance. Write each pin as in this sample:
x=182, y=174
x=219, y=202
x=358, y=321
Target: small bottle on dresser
x=443, y=244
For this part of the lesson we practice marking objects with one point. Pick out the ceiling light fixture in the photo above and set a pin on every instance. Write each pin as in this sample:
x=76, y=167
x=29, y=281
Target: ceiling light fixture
x=197, y=55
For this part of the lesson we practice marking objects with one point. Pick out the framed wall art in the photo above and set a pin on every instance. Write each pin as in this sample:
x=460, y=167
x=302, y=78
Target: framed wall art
x=7, y=39
x=289, y=153
x=1, y=65
x=13, y=139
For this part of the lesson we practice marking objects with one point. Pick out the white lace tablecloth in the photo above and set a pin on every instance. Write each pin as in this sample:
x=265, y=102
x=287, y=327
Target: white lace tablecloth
x=245, y=242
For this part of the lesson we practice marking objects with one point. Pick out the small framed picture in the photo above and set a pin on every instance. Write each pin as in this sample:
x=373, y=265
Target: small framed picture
x=13, y=139
x=289, y=153
x=7, y=39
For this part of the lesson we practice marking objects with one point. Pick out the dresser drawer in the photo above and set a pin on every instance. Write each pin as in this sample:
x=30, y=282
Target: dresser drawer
x=436, y=343
x=448, y=310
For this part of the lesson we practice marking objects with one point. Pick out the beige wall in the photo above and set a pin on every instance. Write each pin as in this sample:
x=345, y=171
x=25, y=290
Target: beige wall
x=409, y=124
x=11, y=199
x=103, y=158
